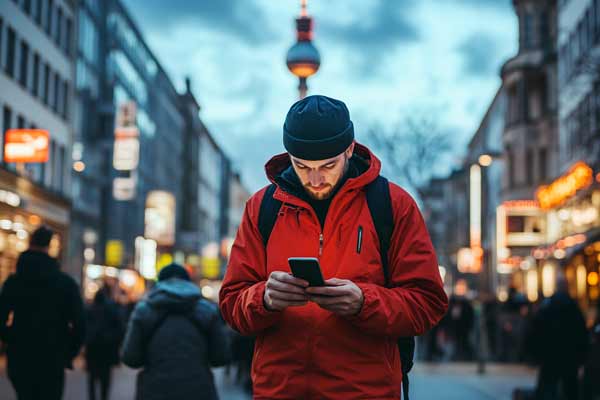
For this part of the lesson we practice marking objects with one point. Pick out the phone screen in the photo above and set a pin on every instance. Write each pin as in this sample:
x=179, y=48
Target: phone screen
x=307, y=268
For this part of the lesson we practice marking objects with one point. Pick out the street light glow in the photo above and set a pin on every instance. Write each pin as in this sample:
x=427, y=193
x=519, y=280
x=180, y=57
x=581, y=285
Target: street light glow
x=485, y=160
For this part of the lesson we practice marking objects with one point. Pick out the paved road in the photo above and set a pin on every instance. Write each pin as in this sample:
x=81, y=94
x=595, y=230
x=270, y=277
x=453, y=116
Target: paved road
x=428, y=381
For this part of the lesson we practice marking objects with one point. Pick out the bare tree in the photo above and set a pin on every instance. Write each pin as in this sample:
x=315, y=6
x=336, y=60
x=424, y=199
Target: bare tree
x=411, y=149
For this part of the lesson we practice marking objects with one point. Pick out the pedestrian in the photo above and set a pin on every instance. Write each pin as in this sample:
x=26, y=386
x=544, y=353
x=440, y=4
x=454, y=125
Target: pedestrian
x=558, y=341
x=340, y=340
x=104, y=335
x=41, y=321
x=175, y=336
x=461, y=323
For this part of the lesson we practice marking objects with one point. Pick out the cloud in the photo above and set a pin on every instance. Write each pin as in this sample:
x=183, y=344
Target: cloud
x=371, y=36
x=479, y=52
x=240, y=18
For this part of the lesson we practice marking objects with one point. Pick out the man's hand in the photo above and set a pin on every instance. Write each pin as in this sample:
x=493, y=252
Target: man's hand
x=340, y=296
x=284, y=290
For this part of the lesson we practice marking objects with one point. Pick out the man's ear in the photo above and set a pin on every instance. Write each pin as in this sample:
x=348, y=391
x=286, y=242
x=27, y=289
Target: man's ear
x=350, y=150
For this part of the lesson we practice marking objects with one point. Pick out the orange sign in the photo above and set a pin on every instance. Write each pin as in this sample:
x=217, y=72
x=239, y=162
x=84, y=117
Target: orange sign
x=579, y=177
x=26, y=146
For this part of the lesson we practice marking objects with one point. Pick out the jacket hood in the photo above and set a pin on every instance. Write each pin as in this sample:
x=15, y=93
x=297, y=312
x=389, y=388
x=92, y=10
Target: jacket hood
x=279, y=163
x=174, y=294
x=36, y=265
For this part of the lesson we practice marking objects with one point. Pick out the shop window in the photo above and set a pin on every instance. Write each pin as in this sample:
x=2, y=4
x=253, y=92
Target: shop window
x=10, y=52
x=24, y=64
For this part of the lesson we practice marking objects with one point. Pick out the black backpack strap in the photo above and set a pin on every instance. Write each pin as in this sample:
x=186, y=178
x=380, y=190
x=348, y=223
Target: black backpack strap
x=269, y=209
x=380, y=207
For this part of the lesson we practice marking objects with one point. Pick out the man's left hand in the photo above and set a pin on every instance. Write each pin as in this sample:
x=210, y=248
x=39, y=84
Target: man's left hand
x=340, y=296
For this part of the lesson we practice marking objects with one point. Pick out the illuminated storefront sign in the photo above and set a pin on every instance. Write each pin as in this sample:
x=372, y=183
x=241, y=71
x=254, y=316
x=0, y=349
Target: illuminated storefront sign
x=114, y=253
x=145, y=257
x=26, y=146
x=124, y=188
x=10, y=198
x=475, y=220
x=126, y=153
x=580, y=176
x=160, y=217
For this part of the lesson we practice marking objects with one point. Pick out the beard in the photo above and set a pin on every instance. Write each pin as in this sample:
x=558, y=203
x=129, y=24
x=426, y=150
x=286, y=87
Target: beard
x=328, y=190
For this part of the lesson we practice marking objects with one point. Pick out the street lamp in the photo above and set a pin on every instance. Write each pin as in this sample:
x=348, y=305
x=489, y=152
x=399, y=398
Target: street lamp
x=303, y=59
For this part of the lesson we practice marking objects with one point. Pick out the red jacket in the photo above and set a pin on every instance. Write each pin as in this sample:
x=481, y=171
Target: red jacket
x=310, y=353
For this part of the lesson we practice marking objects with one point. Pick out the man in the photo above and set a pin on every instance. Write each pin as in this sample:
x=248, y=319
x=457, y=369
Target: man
x=175, y=336
x=337, y=341
x=559, y=343
x=41, y=321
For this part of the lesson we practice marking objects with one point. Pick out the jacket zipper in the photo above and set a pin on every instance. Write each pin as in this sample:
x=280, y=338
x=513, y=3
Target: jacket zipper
x=359, y=239
x=320, y=244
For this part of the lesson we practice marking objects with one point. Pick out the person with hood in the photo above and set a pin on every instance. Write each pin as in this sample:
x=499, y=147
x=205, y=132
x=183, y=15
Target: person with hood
x=41, y=321
x=175, y=336
x=103, y=339
x=338, y=341
x=558, y=341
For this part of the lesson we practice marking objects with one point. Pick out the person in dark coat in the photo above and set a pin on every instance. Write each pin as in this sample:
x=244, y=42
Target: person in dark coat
x=41, y=321
x=559, y=343
x=591, y=384
x=105, y=331
x=175, y=336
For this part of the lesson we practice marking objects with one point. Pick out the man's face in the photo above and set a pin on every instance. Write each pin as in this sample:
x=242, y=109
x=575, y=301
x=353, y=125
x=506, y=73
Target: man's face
x=320, y=178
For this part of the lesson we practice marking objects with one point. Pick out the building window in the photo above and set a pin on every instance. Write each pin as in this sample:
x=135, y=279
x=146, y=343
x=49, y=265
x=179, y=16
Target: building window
x=1, y=36
x=528, y=31
x=49, y=14
x=543, y=167
x=24, y=64
x=38, y=12
x=511, y=167
x=59, y=22
x=10, y=53
x=20, y=122
x=61, y=160
x=46, y=84
x=27, y=7
x=57, y=102
x=69, y=32
x=6, y=119
x=65, y=105
x=36, y=74
x=529, y=166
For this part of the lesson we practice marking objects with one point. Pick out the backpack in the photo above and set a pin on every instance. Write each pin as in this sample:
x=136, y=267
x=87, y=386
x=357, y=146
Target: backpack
x=380, y=207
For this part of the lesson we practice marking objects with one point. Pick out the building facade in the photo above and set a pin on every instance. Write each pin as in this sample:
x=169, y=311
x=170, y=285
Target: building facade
x=37, y=69
x=530, y=141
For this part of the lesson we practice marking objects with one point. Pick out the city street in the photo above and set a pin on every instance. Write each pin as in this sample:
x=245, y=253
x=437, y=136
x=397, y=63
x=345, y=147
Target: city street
x=429, y=381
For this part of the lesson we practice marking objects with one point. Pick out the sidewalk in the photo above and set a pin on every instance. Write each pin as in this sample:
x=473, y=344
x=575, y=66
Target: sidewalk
x=451, y=381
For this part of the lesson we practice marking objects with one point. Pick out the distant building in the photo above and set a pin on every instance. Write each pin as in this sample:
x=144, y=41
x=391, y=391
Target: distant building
x=37, y=69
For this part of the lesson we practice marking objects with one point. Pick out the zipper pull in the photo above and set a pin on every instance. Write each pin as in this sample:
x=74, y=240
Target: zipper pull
x=359, y=239
x=320, y=244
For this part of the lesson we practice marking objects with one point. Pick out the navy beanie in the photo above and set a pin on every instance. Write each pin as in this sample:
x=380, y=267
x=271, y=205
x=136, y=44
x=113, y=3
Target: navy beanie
x=317, y=127
x=173, y=271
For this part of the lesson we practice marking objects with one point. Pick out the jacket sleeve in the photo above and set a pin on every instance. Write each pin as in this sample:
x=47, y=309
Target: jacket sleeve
x=76, y=318
x=416, y=300
x=134, y=352
x=6, y=307
x=241, y=295
x=219, y=342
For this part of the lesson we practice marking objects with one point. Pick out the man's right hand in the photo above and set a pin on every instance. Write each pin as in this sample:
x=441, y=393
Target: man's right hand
x=284, y=290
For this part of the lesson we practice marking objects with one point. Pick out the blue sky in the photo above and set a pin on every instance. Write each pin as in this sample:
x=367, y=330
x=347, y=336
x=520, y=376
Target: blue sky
x=384, y=58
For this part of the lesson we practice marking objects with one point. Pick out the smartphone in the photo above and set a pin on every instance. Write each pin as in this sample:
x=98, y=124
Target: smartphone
x=307, y=268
